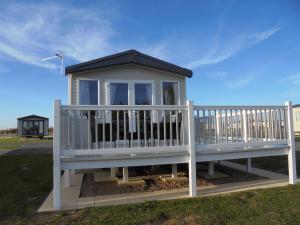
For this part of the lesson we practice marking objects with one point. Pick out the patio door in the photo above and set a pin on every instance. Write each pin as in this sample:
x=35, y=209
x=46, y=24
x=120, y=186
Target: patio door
x=121, y=92
x=143, y=94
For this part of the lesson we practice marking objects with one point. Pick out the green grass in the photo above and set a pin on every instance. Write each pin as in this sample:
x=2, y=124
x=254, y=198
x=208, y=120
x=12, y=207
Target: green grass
x=25, y=181
x=16, y=142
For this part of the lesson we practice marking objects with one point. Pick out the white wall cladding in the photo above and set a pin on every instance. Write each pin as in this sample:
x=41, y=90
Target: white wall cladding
x=129, y=72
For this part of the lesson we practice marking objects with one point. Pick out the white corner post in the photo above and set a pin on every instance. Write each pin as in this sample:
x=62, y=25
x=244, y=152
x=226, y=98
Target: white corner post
x=246, y=137
x=174, y=170
x=291, y=136
x=211, y=168
x=56, y=157
x=192, y=159
x=125, y=174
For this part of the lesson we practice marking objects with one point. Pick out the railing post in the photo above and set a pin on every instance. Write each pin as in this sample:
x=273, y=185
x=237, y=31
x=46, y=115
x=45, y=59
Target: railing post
x=56, y=156
x=192, y=159
x=245, y=123
x=218, y=126
x=246, y=137
x=291, y=137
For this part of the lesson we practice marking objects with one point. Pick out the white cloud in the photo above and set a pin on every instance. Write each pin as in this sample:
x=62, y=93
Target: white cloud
x=293, y=79
x=259, y=37
x=221, y=52
x=240, y=82
x=30, y=32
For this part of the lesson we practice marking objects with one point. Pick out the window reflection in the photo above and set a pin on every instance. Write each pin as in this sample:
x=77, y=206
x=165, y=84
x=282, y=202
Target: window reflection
x=88, y=92
x=119, y=94
x=143, y=94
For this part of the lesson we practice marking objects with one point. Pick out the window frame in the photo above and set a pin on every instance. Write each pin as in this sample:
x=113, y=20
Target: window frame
x=161, y=91
x=131, y=89
x=78, y=88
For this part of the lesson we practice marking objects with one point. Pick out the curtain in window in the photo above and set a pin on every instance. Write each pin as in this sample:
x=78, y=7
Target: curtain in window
x=113, y=93
x=149, y=93
x=170, y=93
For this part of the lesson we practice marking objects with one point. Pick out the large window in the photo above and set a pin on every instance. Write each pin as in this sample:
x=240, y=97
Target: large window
x=33, y=127
x=88, y=92
x=170, y=93
x=119, y=93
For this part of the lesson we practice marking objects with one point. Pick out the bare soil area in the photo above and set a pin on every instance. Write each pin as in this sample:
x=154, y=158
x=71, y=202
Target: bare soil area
x=153, y=180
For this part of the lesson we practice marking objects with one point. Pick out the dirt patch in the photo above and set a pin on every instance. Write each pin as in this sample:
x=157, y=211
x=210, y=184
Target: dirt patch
x=153, y=181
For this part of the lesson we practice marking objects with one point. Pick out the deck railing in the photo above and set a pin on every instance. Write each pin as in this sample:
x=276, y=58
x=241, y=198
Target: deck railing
x=107, y=128
x=130, y=129
x=235, y=124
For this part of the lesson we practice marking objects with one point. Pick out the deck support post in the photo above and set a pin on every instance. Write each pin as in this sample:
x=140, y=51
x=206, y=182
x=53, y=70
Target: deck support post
x=174, y=170
x=67, y=178
x=291, y=137
x=248, y=165
x=211, y=168
x=192, y=158
x=56, y=157
x=113, y=172
x=125, y=174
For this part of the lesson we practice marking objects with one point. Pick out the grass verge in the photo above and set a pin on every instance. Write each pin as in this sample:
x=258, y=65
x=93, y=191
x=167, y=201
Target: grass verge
x=25, y=181
x=16, y=142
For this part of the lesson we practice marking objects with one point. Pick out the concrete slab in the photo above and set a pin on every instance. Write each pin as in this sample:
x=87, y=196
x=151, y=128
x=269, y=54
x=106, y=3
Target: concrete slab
x=69, y=196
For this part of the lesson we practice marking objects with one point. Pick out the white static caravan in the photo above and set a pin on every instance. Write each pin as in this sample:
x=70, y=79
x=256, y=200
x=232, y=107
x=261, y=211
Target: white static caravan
x=296, y=112
x=130, y=109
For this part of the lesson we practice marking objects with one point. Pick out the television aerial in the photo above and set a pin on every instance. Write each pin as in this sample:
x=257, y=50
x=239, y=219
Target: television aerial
x=60, y=55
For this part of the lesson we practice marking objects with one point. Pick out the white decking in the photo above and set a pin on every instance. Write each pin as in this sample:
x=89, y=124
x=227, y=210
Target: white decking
x=87, y=137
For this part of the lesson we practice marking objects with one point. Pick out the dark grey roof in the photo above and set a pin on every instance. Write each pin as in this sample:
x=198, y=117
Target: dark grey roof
x=296, y=106
x=128, y=57
x=33, y=116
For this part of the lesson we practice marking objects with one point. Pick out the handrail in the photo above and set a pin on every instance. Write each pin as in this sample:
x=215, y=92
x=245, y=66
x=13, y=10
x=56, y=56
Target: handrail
x=239, y=107
x=124, y=107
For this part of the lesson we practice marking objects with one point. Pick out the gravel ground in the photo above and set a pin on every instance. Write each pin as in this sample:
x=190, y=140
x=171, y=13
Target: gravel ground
x=154, y=183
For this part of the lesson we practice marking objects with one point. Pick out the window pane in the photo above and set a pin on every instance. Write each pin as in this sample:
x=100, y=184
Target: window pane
x=41, y=127
x=143, y=94
x=30, y=127
x=170, y=93
x=119, y=94
x=36, y=127
x=88, y=92
x=25, y=127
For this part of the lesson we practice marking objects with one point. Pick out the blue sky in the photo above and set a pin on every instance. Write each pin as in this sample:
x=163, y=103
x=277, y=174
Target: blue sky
x=241, y=52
